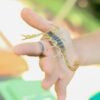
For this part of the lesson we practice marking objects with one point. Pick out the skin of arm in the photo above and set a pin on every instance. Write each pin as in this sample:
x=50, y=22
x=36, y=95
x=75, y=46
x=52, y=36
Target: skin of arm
x=88, y=48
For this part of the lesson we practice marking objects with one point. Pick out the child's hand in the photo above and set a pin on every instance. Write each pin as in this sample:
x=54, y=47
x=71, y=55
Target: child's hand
x=51, y=62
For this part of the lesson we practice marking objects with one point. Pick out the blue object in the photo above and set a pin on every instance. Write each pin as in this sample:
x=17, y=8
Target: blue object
x=95, y=97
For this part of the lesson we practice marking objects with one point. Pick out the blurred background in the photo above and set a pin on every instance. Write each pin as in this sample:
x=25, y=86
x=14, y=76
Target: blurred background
x=80, y=16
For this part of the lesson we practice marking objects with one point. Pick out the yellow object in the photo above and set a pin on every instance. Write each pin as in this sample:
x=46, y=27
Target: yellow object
x=11, y=64
x=30, y=36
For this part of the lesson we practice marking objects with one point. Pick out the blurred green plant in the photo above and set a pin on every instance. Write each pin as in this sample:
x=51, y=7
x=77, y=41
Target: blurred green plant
x=83, y=18
x=88, y=17
x=95, y=7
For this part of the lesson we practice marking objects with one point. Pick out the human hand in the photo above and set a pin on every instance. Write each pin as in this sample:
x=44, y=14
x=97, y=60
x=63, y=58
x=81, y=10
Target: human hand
x=51, y=62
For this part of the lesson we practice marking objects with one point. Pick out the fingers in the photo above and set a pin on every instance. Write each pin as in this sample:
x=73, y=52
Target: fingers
x=48, y=65
x=31, y=49
x=60, y=88
x=49, y=80
x=34, y=20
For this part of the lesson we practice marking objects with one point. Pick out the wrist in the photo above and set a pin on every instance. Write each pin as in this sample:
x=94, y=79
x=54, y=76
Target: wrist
x=79, y=50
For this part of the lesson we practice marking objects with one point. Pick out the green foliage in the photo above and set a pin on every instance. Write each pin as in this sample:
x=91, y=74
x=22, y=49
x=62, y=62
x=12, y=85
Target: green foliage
x=53, y=5
x=84, y=19
x=89, y=18
x=95, y=7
